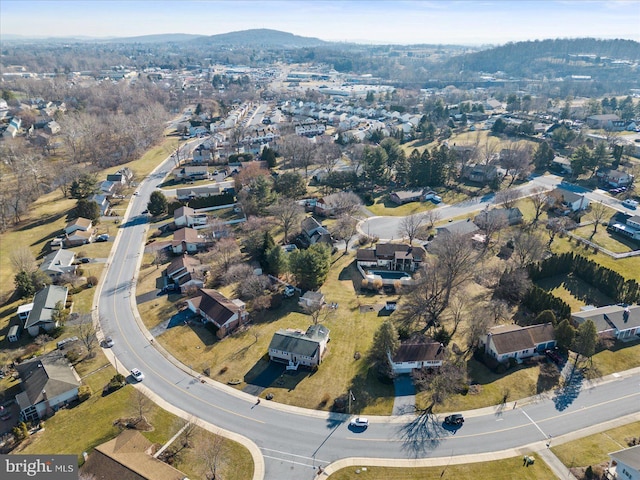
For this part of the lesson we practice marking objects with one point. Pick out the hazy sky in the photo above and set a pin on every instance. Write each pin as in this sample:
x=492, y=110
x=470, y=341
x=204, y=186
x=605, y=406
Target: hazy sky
x=376, y=21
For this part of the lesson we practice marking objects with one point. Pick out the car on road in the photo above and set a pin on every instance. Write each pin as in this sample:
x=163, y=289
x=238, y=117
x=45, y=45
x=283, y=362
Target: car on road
x=136, y=193
x=137, y=374
x=455, y=419
x=361, y=422
x=108, y=342
x=144, y=212
x=629, y=203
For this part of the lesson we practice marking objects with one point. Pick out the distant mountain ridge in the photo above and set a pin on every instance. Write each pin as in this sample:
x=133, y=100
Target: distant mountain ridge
x=262, y=37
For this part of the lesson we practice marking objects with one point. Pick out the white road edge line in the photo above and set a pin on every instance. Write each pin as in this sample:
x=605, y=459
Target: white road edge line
x=295, y=463
x=293, y=455
x=536, y=425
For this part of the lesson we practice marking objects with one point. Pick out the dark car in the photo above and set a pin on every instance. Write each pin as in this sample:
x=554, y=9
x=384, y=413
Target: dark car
x=85, y=260
x=554, y=356
x=455, y=419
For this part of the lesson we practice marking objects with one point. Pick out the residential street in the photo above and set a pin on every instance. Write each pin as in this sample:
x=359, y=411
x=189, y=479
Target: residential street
x=294, y=441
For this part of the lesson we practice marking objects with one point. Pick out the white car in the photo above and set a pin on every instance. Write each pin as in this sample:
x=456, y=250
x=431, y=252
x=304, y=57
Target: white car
x=629, y=203
x=108, y=342
x=289, y=291
x=359, y=422
x=137, y=374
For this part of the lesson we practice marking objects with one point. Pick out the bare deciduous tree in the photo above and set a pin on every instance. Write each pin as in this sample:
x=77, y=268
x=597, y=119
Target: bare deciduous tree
x=507, y=198
x=527, y=248
x=211, y=456
x=141, y=405
x=597, y=213
x=411, y=225
x=88, y=333
x=23, y=260
x=288, y=213
x=539, y=200
x=344, y=229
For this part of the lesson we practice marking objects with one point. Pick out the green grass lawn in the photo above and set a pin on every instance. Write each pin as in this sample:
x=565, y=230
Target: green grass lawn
x=576, y=292
x=506, y=469
x=385, y=207
x=593, y=449
x=612, y=243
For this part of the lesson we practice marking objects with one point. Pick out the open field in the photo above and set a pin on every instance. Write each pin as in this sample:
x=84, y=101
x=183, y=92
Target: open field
x=507, y=469
x=593, y=449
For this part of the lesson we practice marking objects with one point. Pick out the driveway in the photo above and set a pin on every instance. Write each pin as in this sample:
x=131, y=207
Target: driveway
x=405, y=400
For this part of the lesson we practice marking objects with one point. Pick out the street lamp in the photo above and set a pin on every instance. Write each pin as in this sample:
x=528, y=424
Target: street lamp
x=351, y=398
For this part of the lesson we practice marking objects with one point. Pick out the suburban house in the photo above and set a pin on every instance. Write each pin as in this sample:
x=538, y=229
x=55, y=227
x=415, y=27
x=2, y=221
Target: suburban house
x=23, y=311
x=498, y=216
x=512, y=341
x=311, y=300
x=567, y=201
x=563, y=164
x=205, y=191
x=624, y=464
x=401, y=197
x=412, y=355
x=198, y=172
x=617, y=321
x=459, y=227
x=82, y=224
x=480, y=173
x=129, y=456
x=630, y=229
x=187, y=240
x=187, y=217
x=202, y=154
x=185, y=272
x=58, y=263
x=605, y=121
x=391, y=256
x=214, y=307
x=122, y=176
x=48, y=382
x=107, y=187
x=295, y=347
x=44, y=303
x=13, y=128
x=314, y=232
x=103, y=203
x=618, y=178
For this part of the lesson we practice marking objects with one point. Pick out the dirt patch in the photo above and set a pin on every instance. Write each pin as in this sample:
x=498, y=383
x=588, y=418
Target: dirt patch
x=140, y=424
x=371, y=308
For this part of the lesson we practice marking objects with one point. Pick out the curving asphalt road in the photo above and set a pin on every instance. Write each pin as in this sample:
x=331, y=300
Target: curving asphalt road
x=293, y=441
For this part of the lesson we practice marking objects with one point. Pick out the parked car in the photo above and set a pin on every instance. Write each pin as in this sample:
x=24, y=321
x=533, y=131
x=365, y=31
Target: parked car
x=137, y=374
x=455, y=419
x=85, y=260
x=102, y=238
x=554, y=356
x=629, y=203
x=361, y=422
x=289, y=291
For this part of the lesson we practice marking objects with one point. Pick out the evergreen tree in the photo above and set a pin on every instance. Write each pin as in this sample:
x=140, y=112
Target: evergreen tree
x=584, y=343
x=87, y=209
x=310, y=266
x=158, y=204
x=564, y=334
x=544, y=156
x=385, y=342
x=277, y=261
x=84, y=186
x=268, y=155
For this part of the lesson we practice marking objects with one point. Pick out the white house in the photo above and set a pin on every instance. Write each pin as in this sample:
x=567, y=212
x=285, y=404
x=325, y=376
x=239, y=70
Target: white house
x=569, y=200
x=44, y=304
x=187, y=217
x=620, y=322
x=512, y=341
x=624, y=464
x=58, y=263
x=411, y=356
x=295, y=347
x=48, y=383
x=79, y=223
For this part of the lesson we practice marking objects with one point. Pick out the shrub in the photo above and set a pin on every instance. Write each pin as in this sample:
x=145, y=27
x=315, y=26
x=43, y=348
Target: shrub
x=501, y=368
x=20, y=431
x=72, y=356
x=223, y=370
x=84, y=392
x=324, y=400
x=116, y=382
x=92, y=281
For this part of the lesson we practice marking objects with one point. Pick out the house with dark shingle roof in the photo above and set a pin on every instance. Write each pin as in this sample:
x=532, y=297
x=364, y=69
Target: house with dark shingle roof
x=512, y=341
x=187, y=240
x=416, y=355
x=567, y=200
x=128, y=457
x=401, y=197
x=48, y=382
x=185, y=272
x=393, y=256
x=620, y=322
x=295, y=347
x=214, y=307
x=44, y=304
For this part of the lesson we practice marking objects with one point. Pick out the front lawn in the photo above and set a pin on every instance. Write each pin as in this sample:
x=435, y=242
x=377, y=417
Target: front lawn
x=506, y=469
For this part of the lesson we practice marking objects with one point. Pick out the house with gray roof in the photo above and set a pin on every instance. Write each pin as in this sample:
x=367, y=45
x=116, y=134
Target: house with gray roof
x=567, y=200
x=44, y=304
x=498, y=216
x=624, y=464
x=48, y=383
x=295, y=347
x=460, y=227
x=512, y=341
x=58, y=263
x=618, y=321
